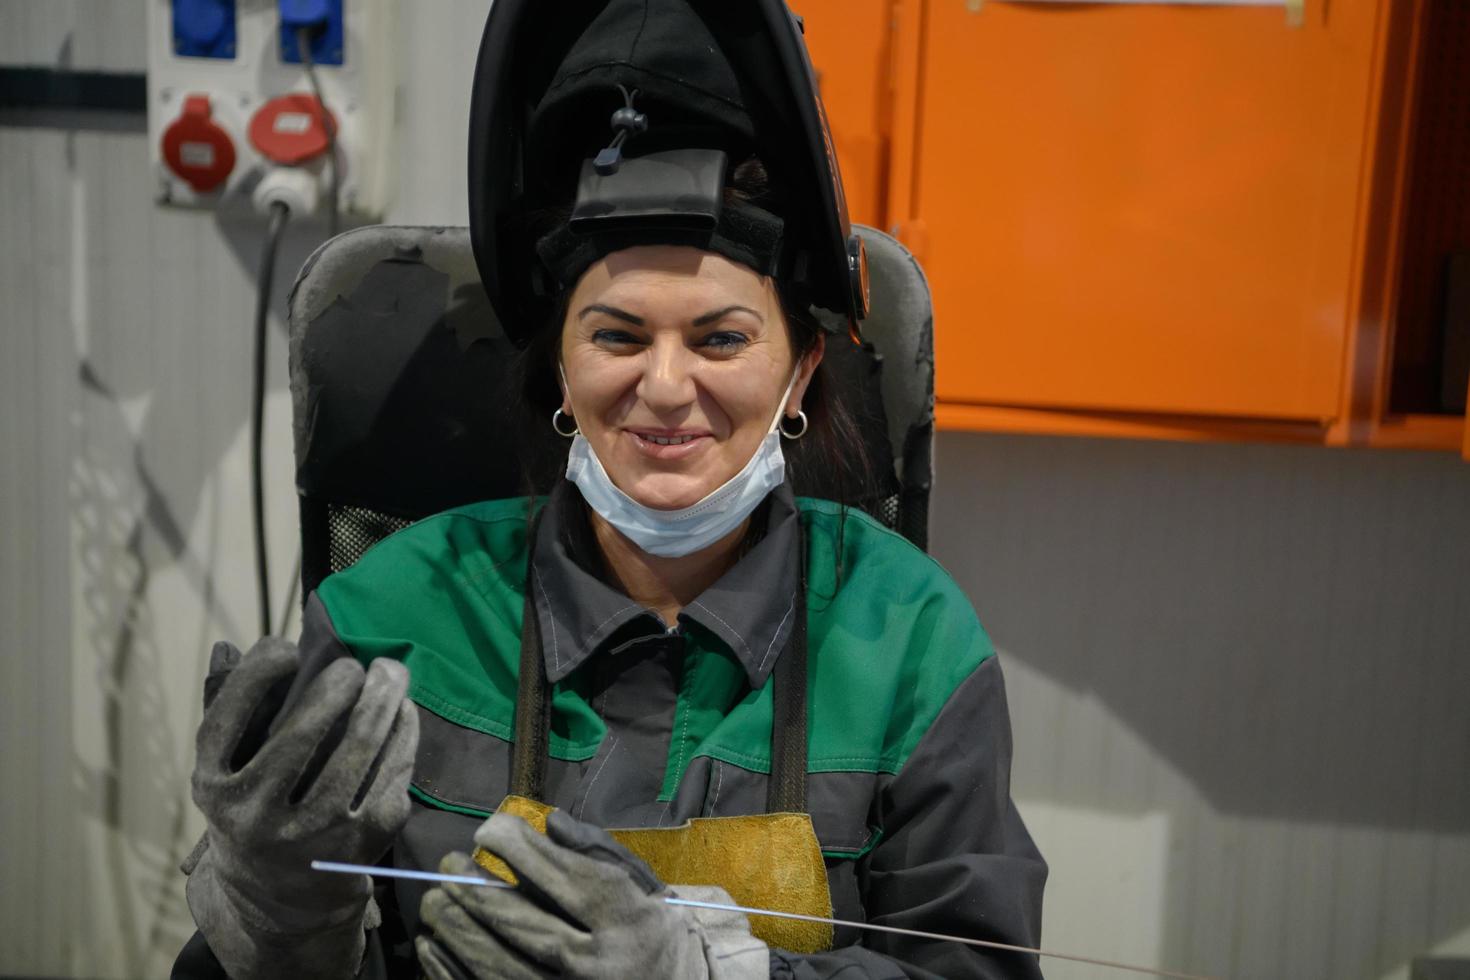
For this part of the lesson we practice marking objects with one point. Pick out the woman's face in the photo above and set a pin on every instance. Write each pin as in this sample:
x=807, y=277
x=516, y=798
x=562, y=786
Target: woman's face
x=674, y=362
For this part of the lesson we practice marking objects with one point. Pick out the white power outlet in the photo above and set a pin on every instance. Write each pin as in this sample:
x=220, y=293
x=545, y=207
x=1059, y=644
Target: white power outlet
x=201, y=110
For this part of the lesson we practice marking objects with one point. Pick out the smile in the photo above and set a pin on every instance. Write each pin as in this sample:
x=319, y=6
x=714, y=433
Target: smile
x=667, y=446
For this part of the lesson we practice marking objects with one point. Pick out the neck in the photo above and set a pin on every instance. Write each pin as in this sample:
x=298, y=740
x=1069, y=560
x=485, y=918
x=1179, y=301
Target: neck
x=665, y=585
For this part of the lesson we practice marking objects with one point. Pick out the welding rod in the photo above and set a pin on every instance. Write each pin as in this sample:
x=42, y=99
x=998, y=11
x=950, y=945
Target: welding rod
x=368, y=869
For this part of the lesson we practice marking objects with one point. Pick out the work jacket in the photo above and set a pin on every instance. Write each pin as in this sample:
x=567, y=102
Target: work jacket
x=909, y=742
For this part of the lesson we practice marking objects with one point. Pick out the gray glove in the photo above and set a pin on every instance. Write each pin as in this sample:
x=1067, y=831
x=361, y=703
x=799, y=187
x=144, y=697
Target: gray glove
x=329, y=783
x=586, y=908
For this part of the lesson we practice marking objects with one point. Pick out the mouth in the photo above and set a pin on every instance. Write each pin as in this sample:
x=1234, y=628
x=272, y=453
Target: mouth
x=667, y=444
x=666, y=440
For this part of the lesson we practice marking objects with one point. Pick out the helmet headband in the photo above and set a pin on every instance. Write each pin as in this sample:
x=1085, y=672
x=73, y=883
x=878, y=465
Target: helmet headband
x=676, y=197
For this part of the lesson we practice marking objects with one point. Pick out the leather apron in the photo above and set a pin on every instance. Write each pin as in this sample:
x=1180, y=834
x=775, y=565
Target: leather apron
x=771, y=860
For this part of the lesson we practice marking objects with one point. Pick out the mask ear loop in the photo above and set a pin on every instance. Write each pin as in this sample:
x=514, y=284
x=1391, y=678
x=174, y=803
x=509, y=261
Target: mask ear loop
x=558, y=415
x=781, y=407
x=780, y=423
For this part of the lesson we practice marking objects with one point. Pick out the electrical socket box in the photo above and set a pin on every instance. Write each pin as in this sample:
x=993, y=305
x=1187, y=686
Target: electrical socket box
x=231, y=116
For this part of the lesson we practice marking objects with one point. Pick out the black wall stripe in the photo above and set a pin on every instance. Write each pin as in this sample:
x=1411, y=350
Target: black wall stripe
x=50, y=88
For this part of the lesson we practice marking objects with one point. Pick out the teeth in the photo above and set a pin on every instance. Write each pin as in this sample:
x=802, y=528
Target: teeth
x=667, y=440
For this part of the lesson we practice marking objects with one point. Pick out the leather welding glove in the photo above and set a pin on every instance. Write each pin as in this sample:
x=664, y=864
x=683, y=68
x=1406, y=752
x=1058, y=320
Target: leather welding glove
x=584, y=908
x=329, y=782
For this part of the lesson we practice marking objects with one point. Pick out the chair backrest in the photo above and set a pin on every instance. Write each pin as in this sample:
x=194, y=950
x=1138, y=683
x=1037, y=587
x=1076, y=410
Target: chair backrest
x=400, y=395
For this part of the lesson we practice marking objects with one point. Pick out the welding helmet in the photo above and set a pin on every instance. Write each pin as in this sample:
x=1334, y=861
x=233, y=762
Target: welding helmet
x=597, y=125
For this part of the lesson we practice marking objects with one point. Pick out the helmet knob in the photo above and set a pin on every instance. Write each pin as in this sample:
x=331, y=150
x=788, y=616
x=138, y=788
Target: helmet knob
x=629, y=120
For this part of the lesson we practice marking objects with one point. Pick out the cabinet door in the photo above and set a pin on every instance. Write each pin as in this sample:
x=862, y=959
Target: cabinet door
x=1140, y=208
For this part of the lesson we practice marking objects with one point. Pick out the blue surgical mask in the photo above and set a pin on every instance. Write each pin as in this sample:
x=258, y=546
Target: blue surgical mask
x=675, y=533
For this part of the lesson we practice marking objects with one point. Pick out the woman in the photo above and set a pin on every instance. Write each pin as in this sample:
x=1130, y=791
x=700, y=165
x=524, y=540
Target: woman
x=667, y=635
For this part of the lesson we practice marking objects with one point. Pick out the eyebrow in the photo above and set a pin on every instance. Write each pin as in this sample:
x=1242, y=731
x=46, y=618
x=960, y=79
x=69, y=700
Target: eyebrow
x=715, y=316
x=611, y=311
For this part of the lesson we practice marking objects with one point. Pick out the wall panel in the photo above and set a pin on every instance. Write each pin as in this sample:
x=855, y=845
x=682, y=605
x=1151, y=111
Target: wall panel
x=87, y=35
x=1265, y=644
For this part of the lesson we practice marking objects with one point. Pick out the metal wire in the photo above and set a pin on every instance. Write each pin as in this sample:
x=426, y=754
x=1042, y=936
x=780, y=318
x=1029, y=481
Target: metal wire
x=368, y=869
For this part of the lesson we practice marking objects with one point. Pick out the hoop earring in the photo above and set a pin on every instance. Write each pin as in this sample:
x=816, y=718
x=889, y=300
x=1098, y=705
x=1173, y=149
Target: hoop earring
x=556, y=416
x=799, y=432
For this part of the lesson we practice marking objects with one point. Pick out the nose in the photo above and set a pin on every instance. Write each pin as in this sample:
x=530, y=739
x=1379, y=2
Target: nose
x=667, y=383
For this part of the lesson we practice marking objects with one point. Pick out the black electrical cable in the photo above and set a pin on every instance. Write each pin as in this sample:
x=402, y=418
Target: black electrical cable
x=303, y=45
x=279, y=216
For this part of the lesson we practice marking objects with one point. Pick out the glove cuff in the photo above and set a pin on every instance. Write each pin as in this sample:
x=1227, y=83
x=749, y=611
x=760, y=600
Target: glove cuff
x=255, y=933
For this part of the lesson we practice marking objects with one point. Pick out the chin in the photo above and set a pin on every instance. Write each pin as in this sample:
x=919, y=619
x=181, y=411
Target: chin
x=665, y=493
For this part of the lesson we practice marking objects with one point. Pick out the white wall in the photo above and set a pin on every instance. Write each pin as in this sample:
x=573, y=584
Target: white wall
x=1237, y=673
x=91, y=35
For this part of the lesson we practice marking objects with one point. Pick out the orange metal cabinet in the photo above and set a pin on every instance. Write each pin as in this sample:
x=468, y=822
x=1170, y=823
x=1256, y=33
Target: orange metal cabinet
x=1153, y=221
x=1140, y=209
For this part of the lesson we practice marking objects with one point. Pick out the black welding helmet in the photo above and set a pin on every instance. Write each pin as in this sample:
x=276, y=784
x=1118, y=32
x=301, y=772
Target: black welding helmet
x=597, y=125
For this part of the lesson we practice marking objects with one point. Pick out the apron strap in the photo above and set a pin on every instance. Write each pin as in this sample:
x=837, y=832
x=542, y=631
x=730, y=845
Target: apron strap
x=533, y=697
x=786, y=788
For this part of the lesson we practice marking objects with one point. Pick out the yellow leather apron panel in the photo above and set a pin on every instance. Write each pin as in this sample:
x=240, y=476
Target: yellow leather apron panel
x=769, y=861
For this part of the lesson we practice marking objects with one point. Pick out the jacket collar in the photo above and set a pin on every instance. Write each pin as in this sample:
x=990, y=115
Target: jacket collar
x=749, y=608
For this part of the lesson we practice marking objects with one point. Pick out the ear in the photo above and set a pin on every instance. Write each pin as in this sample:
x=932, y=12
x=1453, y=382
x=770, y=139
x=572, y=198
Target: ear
x=808, y=368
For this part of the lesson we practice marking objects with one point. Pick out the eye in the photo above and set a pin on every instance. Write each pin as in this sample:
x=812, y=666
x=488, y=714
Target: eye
x=725, y=341
x=612, y=337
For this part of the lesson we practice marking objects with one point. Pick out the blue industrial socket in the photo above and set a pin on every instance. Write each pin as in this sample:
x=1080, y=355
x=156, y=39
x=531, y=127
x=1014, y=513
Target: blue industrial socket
x=323, y=18
x=204, y=28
